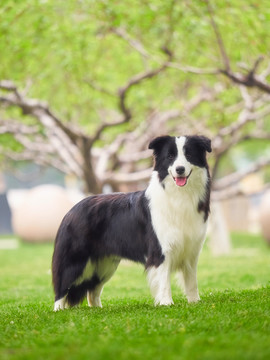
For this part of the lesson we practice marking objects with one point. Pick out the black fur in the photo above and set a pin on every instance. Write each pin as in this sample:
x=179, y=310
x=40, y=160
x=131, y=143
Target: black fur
x=195, y=148
x=195, y=151
x=117, y=224
x=76, y=294
x=98, y=226
x=165, y=152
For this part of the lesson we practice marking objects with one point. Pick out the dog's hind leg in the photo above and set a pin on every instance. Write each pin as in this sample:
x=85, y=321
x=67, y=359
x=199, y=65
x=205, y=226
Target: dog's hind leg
x=93, y=297
x=105, y=268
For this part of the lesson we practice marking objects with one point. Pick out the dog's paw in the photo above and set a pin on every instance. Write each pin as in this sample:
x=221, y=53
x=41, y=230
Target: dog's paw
x=193, y=299
x=164, y=302
x=60, y=305
x=57, y=308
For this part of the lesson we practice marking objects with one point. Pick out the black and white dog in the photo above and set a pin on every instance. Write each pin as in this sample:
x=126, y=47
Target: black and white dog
x=162, y=227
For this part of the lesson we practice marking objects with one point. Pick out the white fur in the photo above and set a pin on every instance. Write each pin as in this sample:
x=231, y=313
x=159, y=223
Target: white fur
x=60, y=304
x=179, y=226
x=87, y=273
x=93, y=297
x=159, y=281
x=181, y=159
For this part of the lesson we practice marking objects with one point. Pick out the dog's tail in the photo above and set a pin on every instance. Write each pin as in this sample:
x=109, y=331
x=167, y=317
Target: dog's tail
x=67, y=267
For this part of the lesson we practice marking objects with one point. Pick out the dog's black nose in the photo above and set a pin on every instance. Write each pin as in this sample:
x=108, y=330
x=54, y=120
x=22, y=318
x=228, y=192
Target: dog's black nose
x=180, y=170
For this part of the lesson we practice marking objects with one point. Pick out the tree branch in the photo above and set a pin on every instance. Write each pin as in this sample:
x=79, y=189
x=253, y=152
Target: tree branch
x=232, y=179
x=234, y=191
x=123, y=92
x=244, y=117
x=37, y=157
x=193, y=70
x=63, y=139
x=134, y=43
x=99, y=88
x=33, y=107
x=221, y=46
x=13, y=127
x=249, y=80
x=124, y=178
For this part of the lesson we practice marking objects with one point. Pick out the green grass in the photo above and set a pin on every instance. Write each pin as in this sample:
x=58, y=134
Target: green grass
x=232, y=321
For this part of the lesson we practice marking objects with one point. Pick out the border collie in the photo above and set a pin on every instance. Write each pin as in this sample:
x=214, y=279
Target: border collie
x=162, y=227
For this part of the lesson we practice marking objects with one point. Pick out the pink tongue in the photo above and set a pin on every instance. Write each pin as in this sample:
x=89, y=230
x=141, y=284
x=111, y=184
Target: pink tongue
x=181, y=181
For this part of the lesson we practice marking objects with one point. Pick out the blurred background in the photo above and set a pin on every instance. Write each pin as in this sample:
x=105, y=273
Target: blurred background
x=85, y=85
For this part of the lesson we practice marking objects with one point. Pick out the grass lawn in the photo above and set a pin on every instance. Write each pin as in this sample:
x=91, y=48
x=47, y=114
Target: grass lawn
x=232, y=321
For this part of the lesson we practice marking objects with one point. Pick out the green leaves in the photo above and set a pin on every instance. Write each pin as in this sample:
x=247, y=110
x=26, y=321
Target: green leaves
x=57, y=45
x=65, y=52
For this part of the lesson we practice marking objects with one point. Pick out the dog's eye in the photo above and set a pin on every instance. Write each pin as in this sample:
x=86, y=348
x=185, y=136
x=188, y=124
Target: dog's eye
x=188, y=155
x=170, y=156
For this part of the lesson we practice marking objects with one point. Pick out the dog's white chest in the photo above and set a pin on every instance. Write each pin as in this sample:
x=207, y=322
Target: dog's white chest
x=179, y=226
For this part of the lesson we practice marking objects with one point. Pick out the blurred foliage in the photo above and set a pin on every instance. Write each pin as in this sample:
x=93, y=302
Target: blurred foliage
x=55, y=47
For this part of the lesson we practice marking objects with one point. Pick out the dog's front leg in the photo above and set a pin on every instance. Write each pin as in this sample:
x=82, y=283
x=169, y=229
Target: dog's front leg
x=190, y=281
x=159, y=279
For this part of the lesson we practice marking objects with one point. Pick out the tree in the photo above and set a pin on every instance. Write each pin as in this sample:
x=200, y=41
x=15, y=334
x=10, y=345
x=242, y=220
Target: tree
x=154, y=93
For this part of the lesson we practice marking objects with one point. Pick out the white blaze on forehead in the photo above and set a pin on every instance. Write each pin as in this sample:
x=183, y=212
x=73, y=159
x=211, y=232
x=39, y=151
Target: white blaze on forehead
x=180, y=159
x=180, y=142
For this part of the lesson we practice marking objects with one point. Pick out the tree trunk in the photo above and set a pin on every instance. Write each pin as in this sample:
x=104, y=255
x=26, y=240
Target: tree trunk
x=220, y=241
x=91, y=183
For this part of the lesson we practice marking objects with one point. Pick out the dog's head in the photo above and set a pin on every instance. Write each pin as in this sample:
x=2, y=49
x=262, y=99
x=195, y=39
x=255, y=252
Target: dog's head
x=180, y=157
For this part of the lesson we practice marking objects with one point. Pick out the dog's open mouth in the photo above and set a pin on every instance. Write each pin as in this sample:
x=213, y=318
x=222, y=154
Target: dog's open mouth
x=181, y=180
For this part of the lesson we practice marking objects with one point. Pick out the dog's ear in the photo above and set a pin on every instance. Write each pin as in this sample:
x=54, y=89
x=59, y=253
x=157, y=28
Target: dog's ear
x=157, y=143
x=204, y=143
